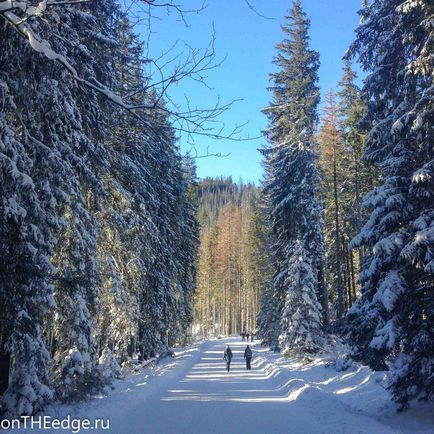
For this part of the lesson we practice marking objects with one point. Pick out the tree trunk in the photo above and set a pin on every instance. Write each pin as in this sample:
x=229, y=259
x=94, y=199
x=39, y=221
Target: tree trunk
x=323, y=295
x=340, y=309
x=5, y=364
x=353, y=279
x=358, y=203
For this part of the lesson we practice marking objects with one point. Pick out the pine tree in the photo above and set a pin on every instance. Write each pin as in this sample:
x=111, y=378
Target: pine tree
x=393, y=320
x=126, y=231
x=268, y=317
x=351, y=112
x=292, y=181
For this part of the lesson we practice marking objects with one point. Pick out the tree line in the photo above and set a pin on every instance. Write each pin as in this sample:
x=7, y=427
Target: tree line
x=230, y=263
x=98, y=230
x=350, y=205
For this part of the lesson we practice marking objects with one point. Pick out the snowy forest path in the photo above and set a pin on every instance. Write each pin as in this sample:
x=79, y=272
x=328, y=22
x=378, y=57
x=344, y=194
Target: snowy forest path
x=193, y=393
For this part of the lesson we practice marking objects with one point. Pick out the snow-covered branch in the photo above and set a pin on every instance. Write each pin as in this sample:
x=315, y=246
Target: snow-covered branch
x=188, y=64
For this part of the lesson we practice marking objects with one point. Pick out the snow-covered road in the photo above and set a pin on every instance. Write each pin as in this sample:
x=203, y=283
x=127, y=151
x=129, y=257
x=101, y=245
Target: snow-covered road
x=194, y=394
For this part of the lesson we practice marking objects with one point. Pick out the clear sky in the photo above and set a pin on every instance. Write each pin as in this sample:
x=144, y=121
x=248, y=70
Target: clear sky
x=249, y=42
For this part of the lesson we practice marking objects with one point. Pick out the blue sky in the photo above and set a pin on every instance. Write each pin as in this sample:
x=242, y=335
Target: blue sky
x=249, y=42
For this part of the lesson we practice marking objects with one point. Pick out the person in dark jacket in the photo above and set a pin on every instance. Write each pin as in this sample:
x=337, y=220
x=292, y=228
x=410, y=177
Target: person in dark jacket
x=248, y=356
x=228, y=357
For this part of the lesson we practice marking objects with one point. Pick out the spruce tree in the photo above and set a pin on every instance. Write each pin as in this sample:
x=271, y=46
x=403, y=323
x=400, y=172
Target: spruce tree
x=392, y=322
x=260, y=245
x=27, y=223
x=95, y=214
x=46, y=111
x=292, y=180
x=301, y=316
x=186, y=245
x=77, y=291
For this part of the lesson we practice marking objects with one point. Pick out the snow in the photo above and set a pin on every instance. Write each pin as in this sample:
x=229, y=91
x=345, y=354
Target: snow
x=13, y=209
x=385, y=336
x=422, y=175
x=390, y=289
x=192, y=393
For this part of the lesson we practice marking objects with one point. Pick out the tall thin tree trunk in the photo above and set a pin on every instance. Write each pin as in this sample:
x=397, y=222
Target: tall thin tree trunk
x=348, y=299
x=358, y=203
x=339, y=285
x=323, y=295
x=5, y=363
x=353, y=279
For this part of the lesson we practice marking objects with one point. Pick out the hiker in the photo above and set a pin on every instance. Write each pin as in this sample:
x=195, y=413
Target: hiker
x=248, y=356
x=228, y=357
x=242, y=336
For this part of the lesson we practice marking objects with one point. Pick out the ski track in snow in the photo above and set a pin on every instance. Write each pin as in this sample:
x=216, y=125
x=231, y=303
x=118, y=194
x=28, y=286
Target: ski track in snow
x=193, y=393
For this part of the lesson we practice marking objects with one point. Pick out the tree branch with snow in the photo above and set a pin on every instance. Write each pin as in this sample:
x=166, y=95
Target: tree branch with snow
x=189, y=63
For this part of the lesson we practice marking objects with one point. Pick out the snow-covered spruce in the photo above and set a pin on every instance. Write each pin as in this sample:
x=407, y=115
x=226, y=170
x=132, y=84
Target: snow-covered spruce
x=91, y=201
x=291, y=183
x=301, y=316
x=391, y=324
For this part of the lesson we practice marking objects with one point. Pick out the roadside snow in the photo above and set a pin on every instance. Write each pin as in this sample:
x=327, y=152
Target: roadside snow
x=192, y=393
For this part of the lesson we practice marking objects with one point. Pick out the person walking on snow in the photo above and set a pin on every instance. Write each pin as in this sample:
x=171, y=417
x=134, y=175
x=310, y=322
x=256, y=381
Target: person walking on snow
x=228, y=357
x=248, y=356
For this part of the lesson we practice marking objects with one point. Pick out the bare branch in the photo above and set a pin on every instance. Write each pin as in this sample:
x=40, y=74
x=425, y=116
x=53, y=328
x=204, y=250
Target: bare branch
x=207, y=155
x=253, y=9
x=171, y=5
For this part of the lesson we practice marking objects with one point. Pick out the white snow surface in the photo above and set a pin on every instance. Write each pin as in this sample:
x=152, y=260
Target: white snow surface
x=193, y=393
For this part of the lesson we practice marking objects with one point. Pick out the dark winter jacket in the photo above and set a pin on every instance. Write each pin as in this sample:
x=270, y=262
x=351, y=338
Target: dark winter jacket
x=228, y=355
x=248, y=353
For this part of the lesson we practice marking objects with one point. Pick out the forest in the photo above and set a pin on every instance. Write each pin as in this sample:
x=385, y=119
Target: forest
x=231, y=261
x=92, y=199
x=113, y=251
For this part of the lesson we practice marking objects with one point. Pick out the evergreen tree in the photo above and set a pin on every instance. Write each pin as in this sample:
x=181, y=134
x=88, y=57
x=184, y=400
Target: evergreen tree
x=126, y=232
x=351, y=112
x=301, y=316
x=393, y=320
x=292, y=181
x=186, y=239
x=27, y=224
x=96, y=216
x=260, y=245
x=77, y=290
x=52, y=145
